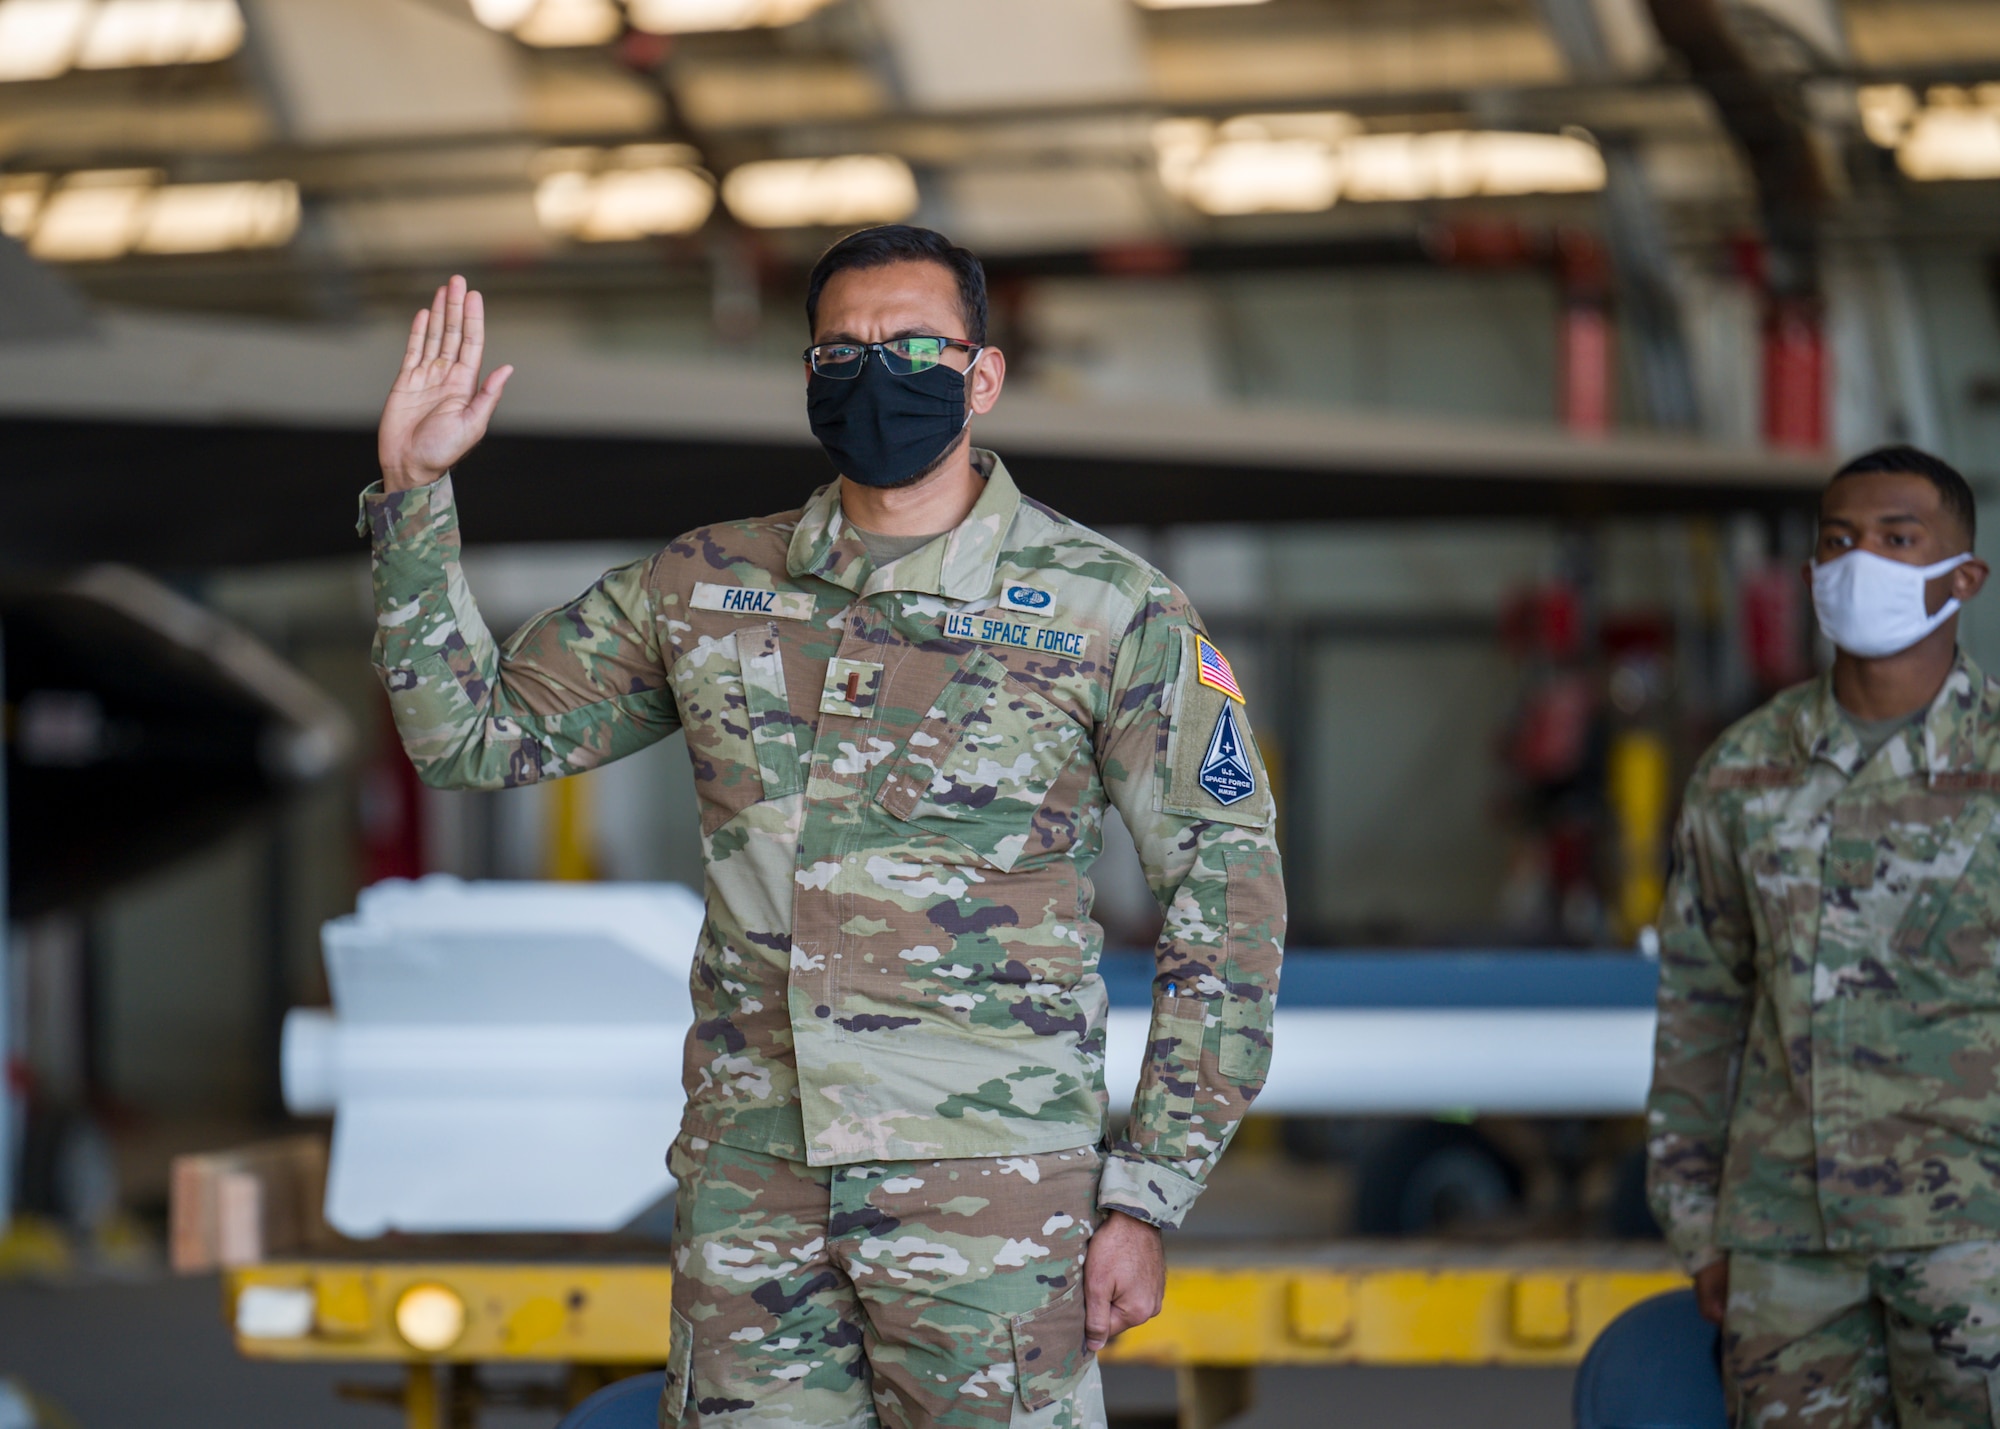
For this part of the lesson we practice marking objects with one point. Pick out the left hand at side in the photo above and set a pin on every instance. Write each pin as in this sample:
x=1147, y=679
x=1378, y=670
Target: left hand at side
x=1124, y=1278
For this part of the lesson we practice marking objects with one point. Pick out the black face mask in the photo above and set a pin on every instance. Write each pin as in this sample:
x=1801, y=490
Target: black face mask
x=881, y=429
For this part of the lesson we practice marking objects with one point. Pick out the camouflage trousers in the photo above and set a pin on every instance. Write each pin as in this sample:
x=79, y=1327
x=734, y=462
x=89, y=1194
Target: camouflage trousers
x=1865, y=1340
x=899, y=1294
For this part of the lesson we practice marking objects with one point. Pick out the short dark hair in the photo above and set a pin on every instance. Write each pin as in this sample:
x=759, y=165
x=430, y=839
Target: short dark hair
x=903, y=243
x=1954, y=492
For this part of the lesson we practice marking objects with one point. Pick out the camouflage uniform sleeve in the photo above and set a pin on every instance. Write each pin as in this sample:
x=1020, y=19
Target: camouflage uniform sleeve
x=1214, y=869
x=1706, y=979
x=574, y=688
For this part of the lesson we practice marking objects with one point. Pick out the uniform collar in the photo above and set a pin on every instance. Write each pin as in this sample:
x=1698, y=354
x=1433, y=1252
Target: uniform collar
x=958, y=565
x=1956, y=731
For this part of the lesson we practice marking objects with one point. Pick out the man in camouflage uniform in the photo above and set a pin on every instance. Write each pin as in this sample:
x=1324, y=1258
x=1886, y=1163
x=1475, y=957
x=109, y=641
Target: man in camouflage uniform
x=1825, y=1112
x=905, y=736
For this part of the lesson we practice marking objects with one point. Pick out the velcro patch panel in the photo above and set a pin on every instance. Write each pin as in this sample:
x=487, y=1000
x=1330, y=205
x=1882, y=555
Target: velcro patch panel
x=752, y=600
x=1017, y=634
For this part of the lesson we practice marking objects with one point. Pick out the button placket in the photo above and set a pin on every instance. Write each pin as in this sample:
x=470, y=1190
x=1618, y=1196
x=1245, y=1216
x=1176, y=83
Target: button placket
x=833, y=803
x=816, y=897
x=1838, y=1029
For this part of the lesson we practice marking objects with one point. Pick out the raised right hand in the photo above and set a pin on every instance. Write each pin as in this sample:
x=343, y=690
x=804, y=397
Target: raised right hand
x=438, y=409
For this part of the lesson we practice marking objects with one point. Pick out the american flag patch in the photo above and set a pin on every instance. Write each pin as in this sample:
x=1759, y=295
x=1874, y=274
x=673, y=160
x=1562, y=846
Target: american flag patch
x=1214, y=671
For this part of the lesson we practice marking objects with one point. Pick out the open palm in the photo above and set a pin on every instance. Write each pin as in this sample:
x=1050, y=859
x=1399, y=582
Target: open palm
x=438, y=409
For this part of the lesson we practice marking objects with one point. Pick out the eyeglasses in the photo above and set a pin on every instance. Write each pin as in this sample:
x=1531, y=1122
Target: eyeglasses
x=904, y=356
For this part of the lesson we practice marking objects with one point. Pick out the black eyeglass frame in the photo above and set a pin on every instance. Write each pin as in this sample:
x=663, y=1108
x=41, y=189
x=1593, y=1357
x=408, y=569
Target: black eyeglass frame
x=880, y=349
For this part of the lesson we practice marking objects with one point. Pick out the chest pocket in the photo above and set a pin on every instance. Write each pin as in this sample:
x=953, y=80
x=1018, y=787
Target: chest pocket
x=1947, y=943
x=979, y=769
x=744, y=739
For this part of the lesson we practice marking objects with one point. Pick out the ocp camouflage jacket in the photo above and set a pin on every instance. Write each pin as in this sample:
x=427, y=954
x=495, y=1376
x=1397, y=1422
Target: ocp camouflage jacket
x=902, y=776
x=1827, y=1071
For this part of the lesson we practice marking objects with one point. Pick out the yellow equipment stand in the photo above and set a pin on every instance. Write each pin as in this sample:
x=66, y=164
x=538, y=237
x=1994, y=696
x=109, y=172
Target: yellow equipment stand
x=1228, y=1310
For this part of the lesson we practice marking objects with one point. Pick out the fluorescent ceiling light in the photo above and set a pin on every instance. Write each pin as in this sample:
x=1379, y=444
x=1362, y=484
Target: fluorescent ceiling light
x=1192, y=4
x=20, y=201
x=92, y=216
x=1308, y=162
x=38, y=38
x=1506, y=164
x=1952, y=133
x=1886, y=111
x=799, y=193
x=127, y=33
x=43, y=38
x=1263, y=176
x=211, y=218
x=1392, y=167
x=644, y=201
x=501, y=14
x=671, y=17
x=1255, y=163
x=634, y=192
x=107, y=213
x=1952, y=144
x=556, y=24
x=1464, y=164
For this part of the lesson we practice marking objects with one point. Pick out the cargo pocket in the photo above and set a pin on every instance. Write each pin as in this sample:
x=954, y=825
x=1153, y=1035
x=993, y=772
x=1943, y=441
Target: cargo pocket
x=777, y=735
x=1049, y=1357
x=715, y=717
x=680, y=1357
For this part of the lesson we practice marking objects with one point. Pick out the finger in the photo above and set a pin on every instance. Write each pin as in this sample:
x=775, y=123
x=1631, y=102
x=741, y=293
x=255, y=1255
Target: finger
x=413, y=350
x=1127, y=1313
x=1097, y=1316
x=488, y=397
x=1119, y=1322
x=454, y=318
x=435, y=335
x=474, y=346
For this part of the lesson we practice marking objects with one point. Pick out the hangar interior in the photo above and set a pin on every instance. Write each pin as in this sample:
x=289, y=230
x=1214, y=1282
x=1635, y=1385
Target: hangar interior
x=1472, y=364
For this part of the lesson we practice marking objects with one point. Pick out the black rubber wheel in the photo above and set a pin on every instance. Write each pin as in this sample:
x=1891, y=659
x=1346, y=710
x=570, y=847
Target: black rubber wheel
x=1626, y=1215
x=1314, y=1140
x=1423, y=1177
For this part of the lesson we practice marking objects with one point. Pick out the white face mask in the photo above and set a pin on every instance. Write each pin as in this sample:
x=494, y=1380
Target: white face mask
x=1871, y=606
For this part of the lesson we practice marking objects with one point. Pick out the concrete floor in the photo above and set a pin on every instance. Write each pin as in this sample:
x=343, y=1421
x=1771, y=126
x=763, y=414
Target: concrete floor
x=154, y=1354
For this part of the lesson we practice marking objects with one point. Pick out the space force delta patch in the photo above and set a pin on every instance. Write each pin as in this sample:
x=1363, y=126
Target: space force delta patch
x=1225, y=770
x=1018, y=634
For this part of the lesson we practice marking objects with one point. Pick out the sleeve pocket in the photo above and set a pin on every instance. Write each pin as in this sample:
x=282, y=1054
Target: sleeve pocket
x=1245, y=1055
x=1049, y=1357
x=680, y=1358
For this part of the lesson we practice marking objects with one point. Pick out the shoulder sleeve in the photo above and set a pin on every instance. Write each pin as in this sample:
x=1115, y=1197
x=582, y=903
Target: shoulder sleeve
x=574, y=688
x=1707, y=946
x=1181, y=765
